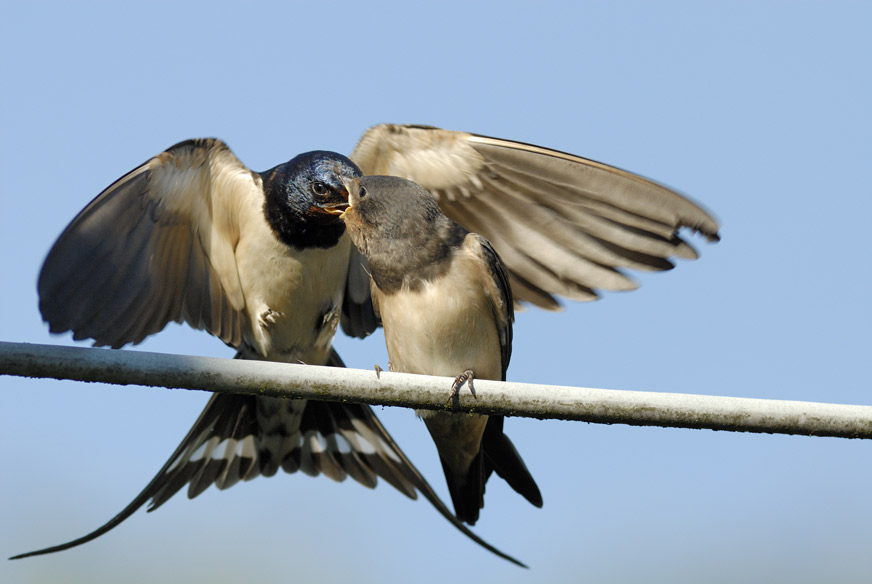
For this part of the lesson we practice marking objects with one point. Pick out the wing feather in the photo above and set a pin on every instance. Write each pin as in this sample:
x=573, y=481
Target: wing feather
x=155, y=246
x=500, y=293
x=564, y=225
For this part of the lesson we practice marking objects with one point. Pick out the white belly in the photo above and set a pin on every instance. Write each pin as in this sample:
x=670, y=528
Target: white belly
x=293, y=298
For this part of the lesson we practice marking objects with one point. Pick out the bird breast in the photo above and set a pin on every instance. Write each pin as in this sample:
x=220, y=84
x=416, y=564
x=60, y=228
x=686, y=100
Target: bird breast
x=293, y=297
x=444, y=326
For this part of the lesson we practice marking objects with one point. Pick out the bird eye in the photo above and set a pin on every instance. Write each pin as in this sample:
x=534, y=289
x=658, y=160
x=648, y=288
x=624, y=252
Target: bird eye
x=362, y=192
x=319, y=188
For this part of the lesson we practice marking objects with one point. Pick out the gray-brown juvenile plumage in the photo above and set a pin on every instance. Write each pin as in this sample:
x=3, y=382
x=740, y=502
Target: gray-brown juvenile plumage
x=445, y=302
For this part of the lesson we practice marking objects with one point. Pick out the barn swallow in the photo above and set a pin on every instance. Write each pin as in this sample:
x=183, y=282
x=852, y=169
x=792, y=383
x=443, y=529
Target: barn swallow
x=444, y=299
x=260, y=261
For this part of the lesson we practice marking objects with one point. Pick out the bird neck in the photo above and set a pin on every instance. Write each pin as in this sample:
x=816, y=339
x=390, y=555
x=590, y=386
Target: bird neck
x=394, y=267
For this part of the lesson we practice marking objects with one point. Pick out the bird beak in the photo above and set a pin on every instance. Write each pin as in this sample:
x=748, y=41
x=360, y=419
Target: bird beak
x=342, y=206
x=353, y=188
x=336, y=209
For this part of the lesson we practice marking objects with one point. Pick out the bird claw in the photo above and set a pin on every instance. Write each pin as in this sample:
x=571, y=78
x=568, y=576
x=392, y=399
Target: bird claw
x=269, y=317
x=378, y=371
x=465, y=377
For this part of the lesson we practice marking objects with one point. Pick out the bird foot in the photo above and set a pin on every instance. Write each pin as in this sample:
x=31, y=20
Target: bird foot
x=378, y=371
x=465, y=377
x=269, y=317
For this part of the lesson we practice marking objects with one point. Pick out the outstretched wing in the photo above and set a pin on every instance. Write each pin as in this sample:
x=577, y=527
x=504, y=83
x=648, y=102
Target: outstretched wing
x=156, y=246
x=563, y=225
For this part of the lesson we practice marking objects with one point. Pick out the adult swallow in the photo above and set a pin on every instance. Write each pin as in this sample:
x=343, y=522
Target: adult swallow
x=563, y=225
x=191, y=235
x=444, y=299
x=258, y=259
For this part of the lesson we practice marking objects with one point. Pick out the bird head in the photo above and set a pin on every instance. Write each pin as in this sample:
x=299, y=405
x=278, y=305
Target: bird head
x=306, y=195
x=388, y=216
x=322, y=178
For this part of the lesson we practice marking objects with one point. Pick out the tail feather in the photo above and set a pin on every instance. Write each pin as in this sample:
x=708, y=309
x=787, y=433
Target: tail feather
x=497, y=454
x=240, y=437
x=467, y=492
x=502, y=456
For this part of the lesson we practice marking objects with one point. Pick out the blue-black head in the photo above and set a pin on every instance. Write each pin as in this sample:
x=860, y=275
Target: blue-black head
x=306, y=195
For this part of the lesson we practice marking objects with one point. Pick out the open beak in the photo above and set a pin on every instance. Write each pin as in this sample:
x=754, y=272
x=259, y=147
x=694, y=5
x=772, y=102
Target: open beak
x=339, y=208
x=352, y=186
x=336, y=209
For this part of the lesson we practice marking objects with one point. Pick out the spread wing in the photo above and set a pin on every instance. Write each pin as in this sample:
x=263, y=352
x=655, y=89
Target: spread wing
x=156, y=246
x=563, y=225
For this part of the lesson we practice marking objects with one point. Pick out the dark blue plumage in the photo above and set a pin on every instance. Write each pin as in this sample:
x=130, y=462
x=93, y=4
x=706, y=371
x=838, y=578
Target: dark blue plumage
x=301, y=194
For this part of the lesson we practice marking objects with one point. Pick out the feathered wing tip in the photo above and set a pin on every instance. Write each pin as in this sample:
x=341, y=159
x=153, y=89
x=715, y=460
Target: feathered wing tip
x=564, y=225
x=239, y=437
x=358, y=316
x=143, y=252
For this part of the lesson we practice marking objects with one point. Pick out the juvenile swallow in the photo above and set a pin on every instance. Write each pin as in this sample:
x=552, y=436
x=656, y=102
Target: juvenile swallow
x=444, y=299
x=260, y=260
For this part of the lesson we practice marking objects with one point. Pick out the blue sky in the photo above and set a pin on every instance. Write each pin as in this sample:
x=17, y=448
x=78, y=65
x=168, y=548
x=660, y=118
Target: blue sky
x=760, y=111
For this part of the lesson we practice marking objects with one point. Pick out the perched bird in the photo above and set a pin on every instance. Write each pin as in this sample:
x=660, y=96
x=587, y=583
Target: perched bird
x=260, y=260
x=444, y=299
